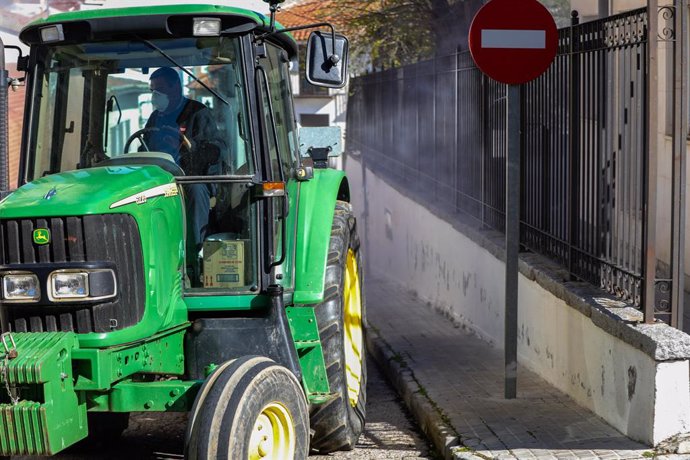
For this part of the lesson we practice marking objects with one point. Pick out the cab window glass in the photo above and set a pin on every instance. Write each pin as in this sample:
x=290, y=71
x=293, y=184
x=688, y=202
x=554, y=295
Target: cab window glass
x=105, y=101
x=281, y=99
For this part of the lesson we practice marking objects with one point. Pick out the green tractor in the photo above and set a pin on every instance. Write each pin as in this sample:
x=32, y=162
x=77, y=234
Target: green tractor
x=175, y=244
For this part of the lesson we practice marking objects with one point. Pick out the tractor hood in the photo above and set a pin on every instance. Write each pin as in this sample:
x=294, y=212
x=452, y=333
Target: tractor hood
x=88, y=191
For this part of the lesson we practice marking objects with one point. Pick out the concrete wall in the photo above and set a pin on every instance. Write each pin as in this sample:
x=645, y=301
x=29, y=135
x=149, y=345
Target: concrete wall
x=614, y=369
x=647, y=400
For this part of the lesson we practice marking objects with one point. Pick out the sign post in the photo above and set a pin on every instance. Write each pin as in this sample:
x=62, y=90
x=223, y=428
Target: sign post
x=513, y=42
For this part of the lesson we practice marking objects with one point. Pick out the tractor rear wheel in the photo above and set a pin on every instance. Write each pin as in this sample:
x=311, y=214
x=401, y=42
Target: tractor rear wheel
x=338, y=423
x=254, y=409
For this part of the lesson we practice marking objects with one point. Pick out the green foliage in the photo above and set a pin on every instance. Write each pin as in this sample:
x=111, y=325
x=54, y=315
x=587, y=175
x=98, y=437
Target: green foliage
x=387, y=32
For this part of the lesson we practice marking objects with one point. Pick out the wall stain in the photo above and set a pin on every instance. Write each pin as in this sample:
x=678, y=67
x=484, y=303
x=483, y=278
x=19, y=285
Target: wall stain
x=632, y=382
x=388, y=218
x=603, y=379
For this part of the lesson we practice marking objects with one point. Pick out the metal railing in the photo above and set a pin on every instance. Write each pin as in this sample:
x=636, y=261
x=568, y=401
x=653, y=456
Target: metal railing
x=584, y=141
x=437, y=129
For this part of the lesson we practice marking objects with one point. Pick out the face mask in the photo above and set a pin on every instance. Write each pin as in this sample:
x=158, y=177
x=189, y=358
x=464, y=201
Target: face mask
x=160, y=101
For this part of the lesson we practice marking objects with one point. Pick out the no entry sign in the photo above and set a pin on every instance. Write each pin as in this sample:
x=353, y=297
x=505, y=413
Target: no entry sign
x=513, y=41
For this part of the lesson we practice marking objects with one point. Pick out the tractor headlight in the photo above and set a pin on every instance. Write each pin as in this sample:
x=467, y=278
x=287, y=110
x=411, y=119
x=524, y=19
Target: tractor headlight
x=51, y=34
x=20, y=288
x=206, y=27
x=85, y=284
x=68, y=285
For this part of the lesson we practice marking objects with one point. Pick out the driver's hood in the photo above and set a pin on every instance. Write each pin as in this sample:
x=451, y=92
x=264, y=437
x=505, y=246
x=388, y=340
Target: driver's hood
x=89, y=191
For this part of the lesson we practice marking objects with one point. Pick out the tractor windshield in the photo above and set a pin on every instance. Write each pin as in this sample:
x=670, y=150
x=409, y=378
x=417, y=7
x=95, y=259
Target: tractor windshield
x=184, y=100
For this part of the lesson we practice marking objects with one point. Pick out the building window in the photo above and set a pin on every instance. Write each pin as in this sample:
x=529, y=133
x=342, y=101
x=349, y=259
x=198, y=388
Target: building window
x=311, y=120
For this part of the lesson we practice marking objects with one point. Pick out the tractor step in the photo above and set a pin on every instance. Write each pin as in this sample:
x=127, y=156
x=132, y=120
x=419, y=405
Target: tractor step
x=321, y=398
x=39, y=410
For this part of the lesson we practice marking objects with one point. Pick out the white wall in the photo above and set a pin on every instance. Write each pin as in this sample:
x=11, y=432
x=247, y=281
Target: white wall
x=645, y=399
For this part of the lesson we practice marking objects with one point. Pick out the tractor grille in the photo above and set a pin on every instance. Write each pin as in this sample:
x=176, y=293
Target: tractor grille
x=108, y=238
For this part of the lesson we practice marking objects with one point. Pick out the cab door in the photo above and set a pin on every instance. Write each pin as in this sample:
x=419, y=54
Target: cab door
x=280, y=131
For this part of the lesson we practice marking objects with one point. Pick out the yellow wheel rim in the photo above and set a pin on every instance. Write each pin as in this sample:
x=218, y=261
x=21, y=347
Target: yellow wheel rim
x=273, y=435
x=354, y=343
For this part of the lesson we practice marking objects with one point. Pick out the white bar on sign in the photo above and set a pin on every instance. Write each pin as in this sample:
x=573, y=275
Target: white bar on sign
x=514, y=39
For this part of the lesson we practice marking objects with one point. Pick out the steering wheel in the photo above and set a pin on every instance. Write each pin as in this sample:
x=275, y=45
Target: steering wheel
x=140, y=135
x=142, y=158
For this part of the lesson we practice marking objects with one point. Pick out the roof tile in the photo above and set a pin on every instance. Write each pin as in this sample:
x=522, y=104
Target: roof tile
x=308, y=12
x=15, y=118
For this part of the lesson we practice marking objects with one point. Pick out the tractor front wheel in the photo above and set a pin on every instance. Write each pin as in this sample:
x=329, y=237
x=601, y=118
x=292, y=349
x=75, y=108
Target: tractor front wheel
x=338, y=423
x=252, y=409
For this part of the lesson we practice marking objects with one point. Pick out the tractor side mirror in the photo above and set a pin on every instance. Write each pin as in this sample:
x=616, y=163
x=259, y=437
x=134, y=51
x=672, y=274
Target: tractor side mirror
x=22, y=65
x=326, y=60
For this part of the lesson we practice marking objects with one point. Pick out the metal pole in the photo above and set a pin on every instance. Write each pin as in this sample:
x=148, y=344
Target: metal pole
x=512, y=240
x=649, y=265
x=680, y=132
x=574, y=142
x=4, y=160
x=604, y=9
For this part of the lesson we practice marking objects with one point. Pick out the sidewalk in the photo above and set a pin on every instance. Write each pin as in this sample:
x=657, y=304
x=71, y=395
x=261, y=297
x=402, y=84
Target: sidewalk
x=453, y=384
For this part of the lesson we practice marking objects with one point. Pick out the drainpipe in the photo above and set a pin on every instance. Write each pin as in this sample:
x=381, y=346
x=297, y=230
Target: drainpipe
x=604, y=9
x=4, y=160
x=4, y=176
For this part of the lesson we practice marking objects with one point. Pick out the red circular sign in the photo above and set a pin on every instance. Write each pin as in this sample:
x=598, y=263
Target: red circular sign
x=513, y=41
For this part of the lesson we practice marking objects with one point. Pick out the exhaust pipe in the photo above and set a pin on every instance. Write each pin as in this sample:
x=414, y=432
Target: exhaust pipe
x=4, y=137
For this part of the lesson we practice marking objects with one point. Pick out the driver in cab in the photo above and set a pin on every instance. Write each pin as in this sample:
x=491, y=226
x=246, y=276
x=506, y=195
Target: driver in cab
x=186, y=130
x=182, y=127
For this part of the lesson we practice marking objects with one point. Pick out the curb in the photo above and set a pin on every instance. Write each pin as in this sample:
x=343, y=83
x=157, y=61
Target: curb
x=430, y=418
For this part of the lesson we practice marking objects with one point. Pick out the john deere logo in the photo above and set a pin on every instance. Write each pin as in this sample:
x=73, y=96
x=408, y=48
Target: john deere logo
x=41, y=236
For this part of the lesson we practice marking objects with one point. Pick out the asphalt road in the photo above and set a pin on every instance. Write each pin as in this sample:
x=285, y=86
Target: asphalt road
x=390, y=433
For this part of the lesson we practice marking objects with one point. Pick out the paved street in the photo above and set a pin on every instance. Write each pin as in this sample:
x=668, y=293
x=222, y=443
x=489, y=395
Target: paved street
x=461, y=379
x=390, y=433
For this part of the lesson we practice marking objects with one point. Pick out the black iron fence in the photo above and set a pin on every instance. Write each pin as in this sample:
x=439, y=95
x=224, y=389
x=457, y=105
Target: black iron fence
x=438, y=130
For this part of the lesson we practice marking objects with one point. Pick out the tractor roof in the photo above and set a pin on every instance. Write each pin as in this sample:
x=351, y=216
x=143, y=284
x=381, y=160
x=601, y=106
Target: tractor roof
x=146, y=21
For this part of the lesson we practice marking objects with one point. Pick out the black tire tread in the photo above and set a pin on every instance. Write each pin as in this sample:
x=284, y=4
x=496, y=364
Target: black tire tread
x=336, y=424
x=236, y=396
